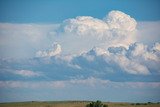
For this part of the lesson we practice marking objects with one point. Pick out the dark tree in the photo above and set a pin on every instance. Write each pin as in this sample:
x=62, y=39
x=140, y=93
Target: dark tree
x=96, y=104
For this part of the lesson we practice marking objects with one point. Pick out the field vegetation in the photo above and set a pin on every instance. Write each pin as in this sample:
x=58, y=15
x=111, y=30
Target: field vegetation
x=76, y=104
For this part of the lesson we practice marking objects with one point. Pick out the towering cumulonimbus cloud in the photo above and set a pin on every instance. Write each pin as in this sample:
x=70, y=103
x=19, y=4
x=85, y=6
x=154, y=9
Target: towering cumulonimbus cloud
x=88, y=53
x=102, y=45
x=75, y=35
x=114, y=46
x=117, y=28
x=120, y=20
x=85, y=26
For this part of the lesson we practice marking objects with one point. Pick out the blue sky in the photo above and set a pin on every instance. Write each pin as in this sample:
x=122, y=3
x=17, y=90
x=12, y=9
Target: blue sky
x=40, y=11
x=80, y=50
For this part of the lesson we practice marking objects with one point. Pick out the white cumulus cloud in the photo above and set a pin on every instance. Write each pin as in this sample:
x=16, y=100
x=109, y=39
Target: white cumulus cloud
x=137, y=59
x=52, y=52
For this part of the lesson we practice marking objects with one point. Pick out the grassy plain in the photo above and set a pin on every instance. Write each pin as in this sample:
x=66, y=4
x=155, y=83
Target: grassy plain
x=74, y=104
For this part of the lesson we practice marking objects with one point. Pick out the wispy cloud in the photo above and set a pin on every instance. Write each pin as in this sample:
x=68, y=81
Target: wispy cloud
x=89, y=82
x=27, y=73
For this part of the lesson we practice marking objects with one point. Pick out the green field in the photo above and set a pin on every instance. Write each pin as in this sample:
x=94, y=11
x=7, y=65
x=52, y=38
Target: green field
x=74, y=104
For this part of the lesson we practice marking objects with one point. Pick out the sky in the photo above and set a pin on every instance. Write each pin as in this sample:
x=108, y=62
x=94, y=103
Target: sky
x=56, y=50
x=55, y=11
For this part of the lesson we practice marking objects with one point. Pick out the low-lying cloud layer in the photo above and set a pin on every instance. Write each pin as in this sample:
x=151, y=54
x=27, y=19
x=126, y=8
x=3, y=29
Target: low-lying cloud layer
x=89, y=82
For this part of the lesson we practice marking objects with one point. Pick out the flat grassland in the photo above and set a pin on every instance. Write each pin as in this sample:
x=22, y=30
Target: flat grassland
x=74, y=104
